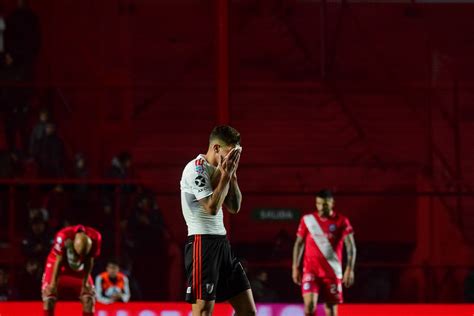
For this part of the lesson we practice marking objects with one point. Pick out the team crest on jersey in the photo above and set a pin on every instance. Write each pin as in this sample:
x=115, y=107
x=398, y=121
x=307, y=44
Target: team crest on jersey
x=200, y=169
x=188, y=290
x=209, y=287
x=306, y=286
x=199, y=166
x=332, y=227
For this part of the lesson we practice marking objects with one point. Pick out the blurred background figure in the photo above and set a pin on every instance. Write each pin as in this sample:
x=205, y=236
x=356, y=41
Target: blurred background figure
x=146, y=232
x=7, y=292
x=38, y=240
x=261, y=289
x=38, y=133
x=22, y=44
x=29, y=280
x=51, y=154
x=112, y=285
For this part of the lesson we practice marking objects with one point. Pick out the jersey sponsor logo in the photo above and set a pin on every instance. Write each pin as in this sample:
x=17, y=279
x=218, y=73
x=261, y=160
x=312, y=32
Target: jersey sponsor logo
x=200, y=181
x=209, y=287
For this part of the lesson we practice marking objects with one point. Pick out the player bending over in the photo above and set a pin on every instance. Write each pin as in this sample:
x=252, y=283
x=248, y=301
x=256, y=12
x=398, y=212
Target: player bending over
x=67, y=273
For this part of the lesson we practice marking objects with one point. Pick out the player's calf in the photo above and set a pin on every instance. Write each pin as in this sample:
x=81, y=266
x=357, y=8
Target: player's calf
x=48, y=306
x=331, y=309
x=310, y=303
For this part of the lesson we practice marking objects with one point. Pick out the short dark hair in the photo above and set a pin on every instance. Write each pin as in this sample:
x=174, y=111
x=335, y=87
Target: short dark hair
x=225, y=133
x=324, y=194
x=114, y=262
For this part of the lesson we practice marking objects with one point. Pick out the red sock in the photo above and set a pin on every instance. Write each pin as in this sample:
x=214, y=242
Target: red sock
x=87, y=314
x=48, y=312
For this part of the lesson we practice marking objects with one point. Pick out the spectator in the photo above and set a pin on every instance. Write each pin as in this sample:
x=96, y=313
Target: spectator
x=80, y=167
x=7, y=293
x=121, y=166
x=38, y=240
x=29, y=281
x=38, y=213
x=283, y=245
x=10, y=164
x=120, y=169
x=22, y=43
x=146, y=227
x=261, y=290
x=146, y=224
x=80, y=200
x=38, y=133
x=57, y=202
x=127, y=269
x=112, y=285
x=51, y=154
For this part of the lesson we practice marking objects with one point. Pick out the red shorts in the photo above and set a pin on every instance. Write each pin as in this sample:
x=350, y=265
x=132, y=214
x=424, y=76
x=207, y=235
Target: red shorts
x=69, y=283
x=329, y=288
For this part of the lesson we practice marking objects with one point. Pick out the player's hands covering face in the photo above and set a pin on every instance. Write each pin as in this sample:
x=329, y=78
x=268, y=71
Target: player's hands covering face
x=230, y=162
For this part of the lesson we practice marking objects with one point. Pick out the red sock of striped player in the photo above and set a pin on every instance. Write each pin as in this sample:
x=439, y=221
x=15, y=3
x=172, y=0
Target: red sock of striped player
x=48, y=313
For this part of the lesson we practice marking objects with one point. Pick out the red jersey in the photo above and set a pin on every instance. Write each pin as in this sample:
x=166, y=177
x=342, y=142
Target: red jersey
x=324, y=241
x=66, y=236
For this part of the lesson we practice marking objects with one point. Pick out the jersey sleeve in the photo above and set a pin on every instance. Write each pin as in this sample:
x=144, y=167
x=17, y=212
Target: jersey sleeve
x=59, y=244
x=302, y=229
x=347, y=227
x=200, y=182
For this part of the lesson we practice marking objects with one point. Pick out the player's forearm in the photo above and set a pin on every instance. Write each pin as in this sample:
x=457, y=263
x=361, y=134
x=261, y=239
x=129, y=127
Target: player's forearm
x=56, y=268
x=219, y=194
x=297, y=254
x=233, y=200
x=351, y=258
x=351, y=252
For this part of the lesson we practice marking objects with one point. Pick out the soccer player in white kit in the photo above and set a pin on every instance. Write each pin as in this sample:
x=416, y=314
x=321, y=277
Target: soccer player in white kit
x=208, y=183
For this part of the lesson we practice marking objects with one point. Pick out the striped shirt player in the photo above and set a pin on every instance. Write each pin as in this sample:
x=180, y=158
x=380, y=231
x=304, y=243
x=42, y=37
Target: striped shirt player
x=208, y=183
x=322, y=234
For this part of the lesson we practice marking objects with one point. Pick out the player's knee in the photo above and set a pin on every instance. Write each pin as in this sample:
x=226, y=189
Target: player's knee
x=203, y=306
